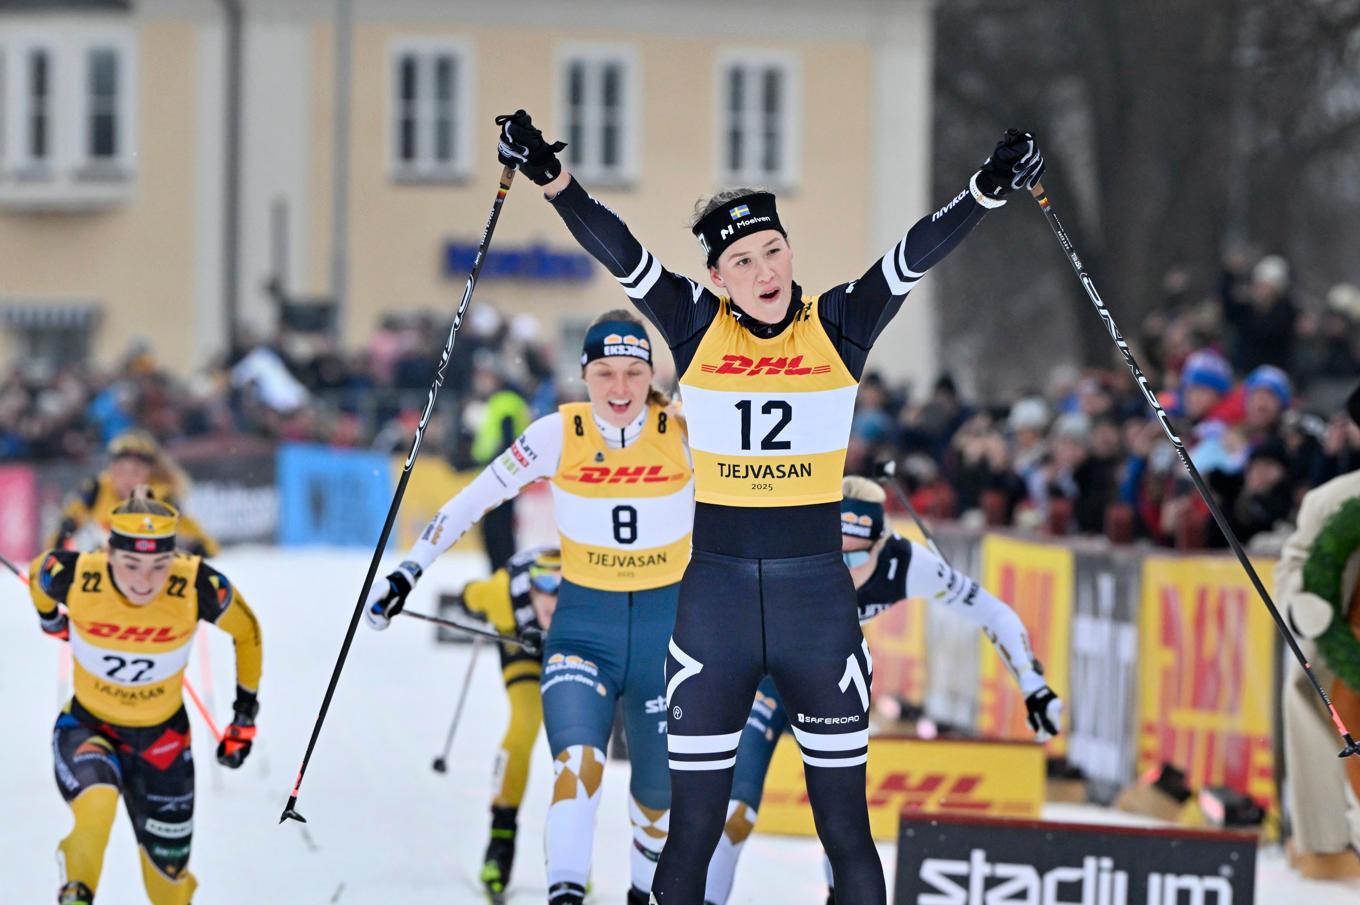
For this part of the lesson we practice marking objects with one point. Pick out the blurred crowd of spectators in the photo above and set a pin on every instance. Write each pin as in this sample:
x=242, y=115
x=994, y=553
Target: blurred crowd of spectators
x=1251, y=379
x=299, y=386
x=1083, y=454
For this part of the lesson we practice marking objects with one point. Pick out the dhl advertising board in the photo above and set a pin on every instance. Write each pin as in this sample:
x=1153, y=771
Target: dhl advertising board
x=1036, y=580
x=995, y=779
x=1207, y=674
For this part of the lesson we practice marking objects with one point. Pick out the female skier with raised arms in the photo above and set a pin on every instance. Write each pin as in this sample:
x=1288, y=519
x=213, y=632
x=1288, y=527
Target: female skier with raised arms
x=768, y=381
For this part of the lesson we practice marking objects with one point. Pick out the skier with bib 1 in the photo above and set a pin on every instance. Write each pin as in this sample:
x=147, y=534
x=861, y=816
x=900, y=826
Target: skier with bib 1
x=886, y=569
x=768, y=381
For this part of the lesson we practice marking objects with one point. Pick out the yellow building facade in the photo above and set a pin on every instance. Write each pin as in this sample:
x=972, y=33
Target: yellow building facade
x=114, y=156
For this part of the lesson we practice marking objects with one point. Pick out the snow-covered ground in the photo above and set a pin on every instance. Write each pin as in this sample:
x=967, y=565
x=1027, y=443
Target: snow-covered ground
x=383, y=827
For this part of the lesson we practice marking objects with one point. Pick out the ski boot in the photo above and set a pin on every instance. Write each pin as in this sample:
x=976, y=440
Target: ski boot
x=75, y=894
x=500, y=854
x=565, y=893
x=831, y=897
x=638, y=897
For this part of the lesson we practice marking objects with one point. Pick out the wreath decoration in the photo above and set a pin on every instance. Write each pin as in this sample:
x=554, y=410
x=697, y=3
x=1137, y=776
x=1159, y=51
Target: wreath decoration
x=1338, y=539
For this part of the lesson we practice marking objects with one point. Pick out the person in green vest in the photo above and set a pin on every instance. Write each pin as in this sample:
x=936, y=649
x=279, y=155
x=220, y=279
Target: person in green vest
x=504, y=417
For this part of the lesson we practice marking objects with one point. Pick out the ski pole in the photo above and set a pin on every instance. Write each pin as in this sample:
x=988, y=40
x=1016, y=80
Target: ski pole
x=887, y=471
x=441, y=763
x=529, y=645
x=1351, y=746
x=202, y=710
x=507, y=177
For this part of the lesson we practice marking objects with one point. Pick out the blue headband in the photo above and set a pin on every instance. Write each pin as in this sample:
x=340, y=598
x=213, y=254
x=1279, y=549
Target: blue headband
x=622, y=338
x=862, y=519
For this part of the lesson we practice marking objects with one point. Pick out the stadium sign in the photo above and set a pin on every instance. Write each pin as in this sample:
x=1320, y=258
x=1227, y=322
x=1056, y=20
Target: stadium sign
x=958, y=860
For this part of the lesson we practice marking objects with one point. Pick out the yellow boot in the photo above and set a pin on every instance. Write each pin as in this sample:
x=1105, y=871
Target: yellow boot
x=161, y=889
x=81, y=853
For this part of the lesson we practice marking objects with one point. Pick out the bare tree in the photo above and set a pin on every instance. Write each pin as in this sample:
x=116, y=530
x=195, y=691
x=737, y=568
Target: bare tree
x=1171, y=126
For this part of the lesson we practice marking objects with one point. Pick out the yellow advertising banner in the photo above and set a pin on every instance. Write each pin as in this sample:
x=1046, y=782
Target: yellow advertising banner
x=1207, y=680
x=897, y=639
x=994, y=779
x=1036, y=580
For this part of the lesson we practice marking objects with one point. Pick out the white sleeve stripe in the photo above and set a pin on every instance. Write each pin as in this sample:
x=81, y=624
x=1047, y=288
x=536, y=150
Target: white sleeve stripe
x=829, y=761
x=703, y=744
x=826, y=741
x=704, y=764
x=637, y=271
x=902, y=267
x=648, y=281
x=896, y=284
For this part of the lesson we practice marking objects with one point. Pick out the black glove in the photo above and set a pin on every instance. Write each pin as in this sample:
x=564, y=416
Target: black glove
x=65, y=532
x=56, y=624
x=1044, y=713
x=531, y=640
x=522, y=147
x=1017, y=163
x=240, y=734
x=386, y=600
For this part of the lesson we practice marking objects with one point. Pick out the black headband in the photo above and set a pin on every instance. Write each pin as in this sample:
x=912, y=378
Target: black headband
x=736, y=219
x=610, y=338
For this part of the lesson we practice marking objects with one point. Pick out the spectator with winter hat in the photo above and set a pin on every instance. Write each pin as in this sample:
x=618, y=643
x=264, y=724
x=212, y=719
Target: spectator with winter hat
x=1206, y=389
x=1267, y=393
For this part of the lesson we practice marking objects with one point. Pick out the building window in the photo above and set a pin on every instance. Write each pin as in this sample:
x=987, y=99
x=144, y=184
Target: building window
x=4, y=120
x=66, y=114
x=102, y=106
x=52, y=333
x=758, y=118
x=39, y=105
x=431, y=98
x=600, y=112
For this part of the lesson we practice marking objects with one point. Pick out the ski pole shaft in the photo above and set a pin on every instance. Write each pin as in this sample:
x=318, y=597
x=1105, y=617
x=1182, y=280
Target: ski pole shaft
x=507, y=177
x=202, y=710
x=441, y=763
x=1351, y=746
x=889, y=472
x=471, y=630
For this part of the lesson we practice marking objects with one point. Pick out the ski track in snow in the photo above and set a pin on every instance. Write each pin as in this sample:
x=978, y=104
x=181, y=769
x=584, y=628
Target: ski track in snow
x=383, y=826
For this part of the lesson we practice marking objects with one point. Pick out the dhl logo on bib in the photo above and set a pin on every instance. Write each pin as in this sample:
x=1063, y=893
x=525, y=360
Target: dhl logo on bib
x=740, y=364
x=623, y=474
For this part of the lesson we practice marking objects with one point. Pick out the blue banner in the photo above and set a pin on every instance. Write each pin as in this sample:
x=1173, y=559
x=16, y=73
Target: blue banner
x=535, y=262
x=333, y=497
